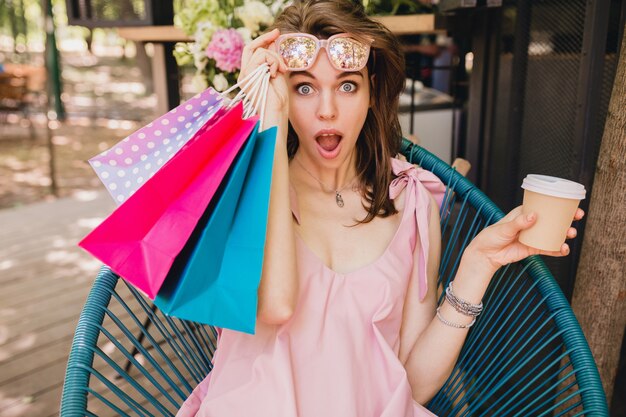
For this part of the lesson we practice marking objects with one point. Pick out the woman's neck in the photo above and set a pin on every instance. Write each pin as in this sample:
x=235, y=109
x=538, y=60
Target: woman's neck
x=326, y=177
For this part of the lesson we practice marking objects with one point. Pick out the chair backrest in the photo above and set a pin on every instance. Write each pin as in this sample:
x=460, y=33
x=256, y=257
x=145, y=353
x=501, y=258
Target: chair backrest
x=526, y=355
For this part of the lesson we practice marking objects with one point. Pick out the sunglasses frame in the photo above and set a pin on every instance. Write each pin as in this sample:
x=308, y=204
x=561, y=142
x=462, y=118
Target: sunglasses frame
x=323, y=43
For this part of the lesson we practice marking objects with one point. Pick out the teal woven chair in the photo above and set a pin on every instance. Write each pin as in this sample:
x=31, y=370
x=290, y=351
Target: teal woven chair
x=526, y=355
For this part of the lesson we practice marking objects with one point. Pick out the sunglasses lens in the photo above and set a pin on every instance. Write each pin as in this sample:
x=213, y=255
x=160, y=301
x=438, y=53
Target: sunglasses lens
x=348, y=54
x=298, y=51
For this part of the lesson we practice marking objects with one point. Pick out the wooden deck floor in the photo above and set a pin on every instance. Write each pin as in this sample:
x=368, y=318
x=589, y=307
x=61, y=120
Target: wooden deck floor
x=44, y=280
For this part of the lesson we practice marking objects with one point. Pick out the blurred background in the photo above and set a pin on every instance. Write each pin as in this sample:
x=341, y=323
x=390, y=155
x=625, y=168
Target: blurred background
x=513, y=87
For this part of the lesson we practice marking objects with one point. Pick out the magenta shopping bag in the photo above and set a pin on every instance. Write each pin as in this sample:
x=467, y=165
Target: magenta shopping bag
x=141, y=238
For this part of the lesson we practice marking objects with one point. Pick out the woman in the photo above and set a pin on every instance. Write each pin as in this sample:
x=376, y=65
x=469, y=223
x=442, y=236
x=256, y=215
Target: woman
x=348, y=323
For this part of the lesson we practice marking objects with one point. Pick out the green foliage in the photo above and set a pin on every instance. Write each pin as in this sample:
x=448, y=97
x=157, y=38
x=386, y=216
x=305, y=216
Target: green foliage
x=190, y=13
x=22, y=20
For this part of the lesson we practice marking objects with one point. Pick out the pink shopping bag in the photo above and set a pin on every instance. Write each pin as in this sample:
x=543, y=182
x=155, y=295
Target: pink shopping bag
x=141, y=238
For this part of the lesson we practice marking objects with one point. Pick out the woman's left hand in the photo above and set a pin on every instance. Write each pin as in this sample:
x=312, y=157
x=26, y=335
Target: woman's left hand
x=498, y=244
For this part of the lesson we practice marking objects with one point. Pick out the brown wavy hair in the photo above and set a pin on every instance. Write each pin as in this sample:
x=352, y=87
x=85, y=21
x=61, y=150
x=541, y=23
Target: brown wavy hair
x=381, y=135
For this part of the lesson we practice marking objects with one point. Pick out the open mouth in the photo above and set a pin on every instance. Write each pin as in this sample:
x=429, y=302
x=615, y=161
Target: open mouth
x=328, y=141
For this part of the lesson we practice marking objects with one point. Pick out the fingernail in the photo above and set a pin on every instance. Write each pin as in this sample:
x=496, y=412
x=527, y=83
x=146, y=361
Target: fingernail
x=530, y=217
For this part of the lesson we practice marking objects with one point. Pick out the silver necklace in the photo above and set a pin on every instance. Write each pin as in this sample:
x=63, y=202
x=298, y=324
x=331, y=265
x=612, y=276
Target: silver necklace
x=338, y=197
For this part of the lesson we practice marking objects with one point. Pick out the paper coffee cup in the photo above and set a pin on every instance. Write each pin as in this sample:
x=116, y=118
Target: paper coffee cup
x=554, y=201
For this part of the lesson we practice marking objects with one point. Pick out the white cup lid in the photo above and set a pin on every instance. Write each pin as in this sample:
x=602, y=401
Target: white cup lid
x=554, y=186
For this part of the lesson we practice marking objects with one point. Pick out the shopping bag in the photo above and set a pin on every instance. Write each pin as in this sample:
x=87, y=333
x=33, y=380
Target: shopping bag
x=126, y=166
x=216, y=277
x=141, y=238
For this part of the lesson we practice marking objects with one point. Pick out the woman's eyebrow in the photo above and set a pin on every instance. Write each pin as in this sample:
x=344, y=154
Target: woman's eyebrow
x=343, y=74
x=349, y=73
x=305, y=73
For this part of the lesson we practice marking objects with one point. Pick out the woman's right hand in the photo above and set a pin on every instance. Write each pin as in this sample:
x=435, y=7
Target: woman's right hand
x=260, y=51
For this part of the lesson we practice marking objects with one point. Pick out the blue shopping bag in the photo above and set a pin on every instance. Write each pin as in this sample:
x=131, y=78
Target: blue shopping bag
x=216, y=277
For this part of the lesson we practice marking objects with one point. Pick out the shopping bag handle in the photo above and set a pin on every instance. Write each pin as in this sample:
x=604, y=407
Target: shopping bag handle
x=252, y=92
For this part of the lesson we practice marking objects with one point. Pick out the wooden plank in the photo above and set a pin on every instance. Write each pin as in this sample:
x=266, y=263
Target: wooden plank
x=78, y=225
x=26, y=329
x=45, y=268
x=400, y=25
x=59, y=239
x=44, y=274
x=24, y=337
x=65, y=265
x=70, y=232
x=31, y=385
x=26, y=290
x=154, y=34
x=34, y=359
x=28, y=312
x=56, y=345
x=67, y=315
x=13, y=351
x=58, y=213
x=44, y=404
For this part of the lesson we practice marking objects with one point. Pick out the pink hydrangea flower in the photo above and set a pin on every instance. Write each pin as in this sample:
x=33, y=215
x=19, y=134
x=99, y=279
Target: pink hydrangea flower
x=225, y=48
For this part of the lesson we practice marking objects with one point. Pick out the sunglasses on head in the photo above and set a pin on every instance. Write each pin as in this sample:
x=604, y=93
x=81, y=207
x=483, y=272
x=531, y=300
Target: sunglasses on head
x=345, y=53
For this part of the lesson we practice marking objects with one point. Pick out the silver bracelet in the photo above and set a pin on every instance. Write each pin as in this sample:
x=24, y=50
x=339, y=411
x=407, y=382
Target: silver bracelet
x=462, y=306
x=455, y=325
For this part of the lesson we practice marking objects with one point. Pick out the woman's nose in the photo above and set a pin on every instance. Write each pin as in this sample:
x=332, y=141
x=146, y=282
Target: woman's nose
x=327, y=108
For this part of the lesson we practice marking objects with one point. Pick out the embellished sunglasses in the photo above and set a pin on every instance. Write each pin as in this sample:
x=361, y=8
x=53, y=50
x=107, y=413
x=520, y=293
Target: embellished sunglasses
x=345, y=53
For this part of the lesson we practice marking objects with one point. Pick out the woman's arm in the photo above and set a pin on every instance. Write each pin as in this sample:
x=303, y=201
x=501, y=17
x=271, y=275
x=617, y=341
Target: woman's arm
x=436, y=349
x=279, y=285
x=416, y=314
x=428, y=362
x=278, y=288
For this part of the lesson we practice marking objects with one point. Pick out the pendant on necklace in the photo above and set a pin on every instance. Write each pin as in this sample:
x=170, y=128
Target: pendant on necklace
x=338, y=199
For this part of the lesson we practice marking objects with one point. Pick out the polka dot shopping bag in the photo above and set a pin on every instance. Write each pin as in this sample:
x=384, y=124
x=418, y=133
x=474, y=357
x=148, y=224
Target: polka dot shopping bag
x=129, y=164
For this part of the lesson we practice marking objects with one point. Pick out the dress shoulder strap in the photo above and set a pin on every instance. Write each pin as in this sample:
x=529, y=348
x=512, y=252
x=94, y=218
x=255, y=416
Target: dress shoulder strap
x=419, y=184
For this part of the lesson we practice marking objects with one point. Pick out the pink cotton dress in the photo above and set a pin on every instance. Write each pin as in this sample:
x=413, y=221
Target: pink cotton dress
x=338, y=354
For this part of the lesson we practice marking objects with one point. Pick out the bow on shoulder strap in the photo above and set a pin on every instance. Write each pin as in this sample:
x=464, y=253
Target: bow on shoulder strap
x=420, y=182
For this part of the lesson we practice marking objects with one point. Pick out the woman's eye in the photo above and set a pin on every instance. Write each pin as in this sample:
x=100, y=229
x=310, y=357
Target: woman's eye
x=304, y=89
x=348, y=87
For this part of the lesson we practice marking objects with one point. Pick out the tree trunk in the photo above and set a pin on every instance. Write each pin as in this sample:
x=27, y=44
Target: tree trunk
x=599, y=299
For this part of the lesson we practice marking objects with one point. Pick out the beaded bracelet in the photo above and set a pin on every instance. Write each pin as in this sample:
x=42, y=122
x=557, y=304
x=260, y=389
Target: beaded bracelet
x=455, y=325
x=462, y=306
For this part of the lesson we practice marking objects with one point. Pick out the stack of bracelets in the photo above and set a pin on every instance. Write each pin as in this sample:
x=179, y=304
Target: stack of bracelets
x=464, y=307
